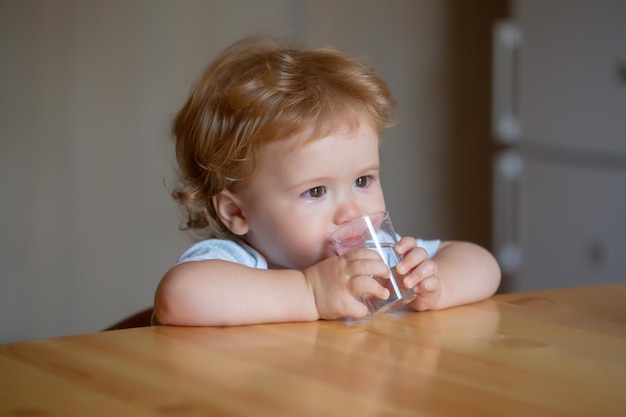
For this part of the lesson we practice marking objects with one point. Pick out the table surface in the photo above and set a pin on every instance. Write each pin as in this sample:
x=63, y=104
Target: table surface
x=555, y=353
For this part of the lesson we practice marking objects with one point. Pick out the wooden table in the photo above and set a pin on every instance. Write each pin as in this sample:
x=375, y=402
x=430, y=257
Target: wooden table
x=548, y=353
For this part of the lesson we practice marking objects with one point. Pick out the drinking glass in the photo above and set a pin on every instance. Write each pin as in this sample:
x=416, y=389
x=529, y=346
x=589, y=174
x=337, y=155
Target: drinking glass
x=375, y=231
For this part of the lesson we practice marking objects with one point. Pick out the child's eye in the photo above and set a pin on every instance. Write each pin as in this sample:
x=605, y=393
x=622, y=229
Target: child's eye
x=363, y=181
x=315, y=192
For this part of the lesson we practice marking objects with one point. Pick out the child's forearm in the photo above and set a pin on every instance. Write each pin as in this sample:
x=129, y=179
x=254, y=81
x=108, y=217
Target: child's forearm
x=467, y=272
x=220, y=293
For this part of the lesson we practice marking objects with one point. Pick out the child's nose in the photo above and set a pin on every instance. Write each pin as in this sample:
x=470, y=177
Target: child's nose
x=347, y=212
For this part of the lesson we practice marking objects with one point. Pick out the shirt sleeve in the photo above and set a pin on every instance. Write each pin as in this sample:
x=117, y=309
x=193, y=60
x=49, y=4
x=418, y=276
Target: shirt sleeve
x=431, y=246
x=226, y=250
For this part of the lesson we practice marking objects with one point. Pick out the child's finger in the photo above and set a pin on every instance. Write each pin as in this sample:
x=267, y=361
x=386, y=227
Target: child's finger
x=405, y=244
x=428, y=286
x=427, y=268
x=364, y=285
x=411, y=259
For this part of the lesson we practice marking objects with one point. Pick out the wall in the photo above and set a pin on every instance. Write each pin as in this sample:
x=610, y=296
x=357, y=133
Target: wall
x=89, y=90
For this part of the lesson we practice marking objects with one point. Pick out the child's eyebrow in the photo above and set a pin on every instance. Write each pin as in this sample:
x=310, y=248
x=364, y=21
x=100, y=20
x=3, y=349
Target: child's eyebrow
x=373, y=167
x=370, y=168
x=308, y=183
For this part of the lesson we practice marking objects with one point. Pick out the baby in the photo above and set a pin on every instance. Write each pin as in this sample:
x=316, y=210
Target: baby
x=277, y=148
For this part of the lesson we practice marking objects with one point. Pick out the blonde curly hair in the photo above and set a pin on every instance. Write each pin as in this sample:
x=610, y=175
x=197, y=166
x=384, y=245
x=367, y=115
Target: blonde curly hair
x=257, y=91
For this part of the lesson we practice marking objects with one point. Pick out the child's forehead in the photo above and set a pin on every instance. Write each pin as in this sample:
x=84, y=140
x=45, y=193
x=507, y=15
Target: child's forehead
x=305, y=155
x=307, y=146
x=316, y=133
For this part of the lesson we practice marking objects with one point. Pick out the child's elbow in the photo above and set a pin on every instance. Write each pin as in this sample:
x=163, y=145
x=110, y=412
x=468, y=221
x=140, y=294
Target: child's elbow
x=166, y=308
x=494, y=273
x=162, y=313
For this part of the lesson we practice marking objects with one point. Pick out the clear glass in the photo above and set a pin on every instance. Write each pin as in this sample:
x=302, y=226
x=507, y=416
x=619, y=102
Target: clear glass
x=375, y=231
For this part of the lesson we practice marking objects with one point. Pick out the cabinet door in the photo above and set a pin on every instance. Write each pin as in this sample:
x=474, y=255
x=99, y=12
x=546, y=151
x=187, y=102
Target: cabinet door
x=572, y=226
x=572, y=74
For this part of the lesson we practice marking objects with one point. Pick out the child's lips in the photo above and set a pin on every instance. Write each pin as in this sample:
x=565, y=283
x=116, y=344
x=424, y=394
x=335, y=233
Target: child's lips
x=347, y=244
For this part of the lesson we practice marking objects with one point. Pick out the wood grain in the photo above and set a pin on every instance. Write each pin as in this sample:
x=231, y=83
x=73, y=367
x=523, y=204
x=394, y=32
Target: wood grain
x=547, y=353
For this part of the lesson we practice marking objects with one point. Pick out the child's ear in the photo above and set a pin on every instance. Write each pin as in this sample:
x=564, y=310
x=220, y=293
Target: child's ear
x=228, y=208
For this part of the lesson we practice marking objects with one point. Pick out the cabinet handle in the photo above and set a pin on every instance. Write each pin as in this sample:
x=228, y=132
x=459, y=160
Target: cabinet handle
x=505, y=126
x=508, y=168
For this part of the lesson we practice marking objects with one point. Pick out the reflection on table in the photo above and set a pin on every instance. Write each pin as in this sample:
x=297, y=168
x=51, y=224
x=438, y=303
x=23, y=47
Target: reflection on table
x=559, y=352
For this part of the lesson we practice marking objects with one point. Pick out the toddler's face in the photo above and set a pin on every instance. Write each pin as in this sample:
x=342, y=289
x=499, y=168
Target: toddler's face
x=300, y=194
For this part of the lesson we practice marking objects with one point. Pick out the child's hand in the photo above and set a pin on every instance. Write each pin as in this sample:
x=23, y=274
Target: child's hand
x=421, y=273
x=337, y=283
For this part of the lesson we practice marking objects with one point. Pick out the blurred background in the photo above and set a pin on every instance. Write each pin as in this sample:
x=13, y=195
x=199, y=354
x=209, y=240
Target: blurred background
x=88, y=90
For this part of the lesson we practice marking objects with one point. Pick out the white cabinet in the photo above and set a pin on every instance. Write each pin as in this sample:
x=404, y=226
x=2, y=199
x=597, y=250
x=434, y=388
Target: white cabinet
x=560, y=182
x=572, y=225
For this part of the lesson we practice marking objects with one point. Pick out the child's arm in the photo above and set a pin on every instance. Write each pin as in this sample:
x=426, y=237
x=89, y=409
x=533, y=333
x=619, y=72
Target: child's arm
x=460, y=273
x=221, y=293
